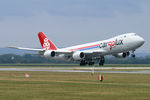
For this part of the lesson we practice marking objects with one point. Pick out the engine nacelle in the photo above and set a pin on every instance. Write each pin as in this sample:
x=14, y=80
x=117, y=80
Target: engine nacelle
x=121, y=55
x=49, y=54
x=78, y=55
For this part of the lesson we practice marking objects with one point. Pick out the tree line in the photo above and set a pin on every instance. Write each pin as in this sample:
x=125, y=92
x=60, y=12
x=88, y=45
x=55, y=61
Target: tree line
x=12, y=58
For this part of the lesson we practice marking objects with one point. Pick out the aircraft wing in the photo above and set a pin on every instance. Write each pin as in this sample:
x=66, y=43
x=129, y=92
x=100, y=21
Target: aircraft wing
x=94, y=52
x=88, y=54
x=59, y=51
x=29, y=49
x=41, y=51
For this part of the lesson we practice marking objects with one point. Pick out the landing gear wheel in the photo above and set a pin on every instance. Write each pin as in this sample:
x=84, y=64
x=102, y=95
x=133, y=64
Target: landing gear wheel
x=133, y=55
x=128, y=53
x=91, y=63
x=83, y=63
x=102, y=61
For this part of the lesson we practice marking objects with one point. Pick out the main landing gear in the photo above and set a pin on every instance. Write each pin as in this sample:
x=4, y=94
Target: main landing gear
x=84, y=63
x=102, y=61
x=90, y=63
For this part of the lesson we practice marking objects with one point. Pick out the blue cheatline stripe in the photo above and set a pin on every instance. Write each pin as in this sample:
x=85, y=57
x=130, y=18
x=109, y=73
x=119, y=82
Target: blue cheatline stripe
x=88, y=48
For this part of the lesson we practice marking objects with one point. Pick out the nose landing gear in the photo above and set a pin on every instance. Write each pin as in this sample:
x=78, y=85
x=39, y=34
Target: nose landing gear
x=133, y=55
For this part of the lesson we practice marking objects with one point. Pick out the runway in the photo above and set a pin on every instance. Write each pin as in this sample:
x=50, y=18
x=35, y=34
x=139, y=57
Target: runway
x=87, y=70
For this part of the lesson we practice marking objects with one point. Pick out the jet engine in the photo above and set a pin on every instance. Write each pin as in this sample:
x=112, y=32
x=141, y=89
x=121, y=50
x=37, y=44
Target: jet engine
x=49, y=54
x=122, y=55
x=78, y=55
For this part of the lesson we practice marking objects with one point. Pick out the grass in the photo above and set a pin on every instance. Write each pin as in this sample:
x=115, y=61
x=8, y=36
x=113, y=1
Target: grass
x=73, y=86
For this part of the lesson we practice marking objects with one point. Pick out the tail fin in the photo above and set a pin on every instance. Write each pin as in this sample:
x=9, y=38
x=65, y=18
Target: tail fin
x=45, y=42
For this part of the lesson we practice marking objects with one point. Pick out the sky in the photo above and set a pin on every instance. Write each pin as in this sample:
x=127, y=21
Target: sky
x=72, y=22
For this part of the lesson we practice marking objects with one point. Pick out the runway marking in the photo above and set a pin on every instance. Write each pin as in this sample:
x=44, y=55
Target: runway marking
x=81, y=69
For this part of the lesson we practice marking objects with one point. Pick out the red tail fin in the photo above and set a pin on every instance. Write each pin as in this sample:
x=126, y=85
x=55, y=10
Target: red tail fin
x=45, y=42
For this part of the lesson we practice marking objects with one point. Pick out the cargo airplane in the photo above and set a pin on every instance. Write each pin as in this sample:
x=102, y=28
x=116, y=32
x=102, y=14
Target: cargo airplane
x=119, y=46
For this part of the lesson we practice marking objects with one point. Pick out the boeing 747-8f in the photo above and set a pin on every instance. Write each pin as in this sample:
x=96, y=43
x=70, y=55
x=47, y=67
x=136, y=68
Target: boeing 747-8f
x=119, y=46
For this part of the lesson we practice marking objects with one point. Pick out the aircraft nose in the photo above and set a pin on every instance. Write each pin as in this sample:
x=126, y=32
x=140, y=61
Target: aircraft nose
x=141, y=40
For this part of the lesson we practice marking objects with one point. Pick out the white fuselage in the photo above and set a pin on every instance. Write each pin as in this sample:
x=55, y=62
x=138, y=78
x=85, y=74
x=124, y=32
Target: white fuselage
x=121, y=43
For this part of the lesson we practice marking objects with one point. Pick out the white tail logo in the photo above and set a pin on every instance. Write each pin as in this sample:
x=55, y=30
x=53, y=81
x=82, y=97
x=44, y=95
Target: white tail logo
x=46, y=44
